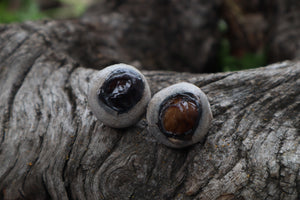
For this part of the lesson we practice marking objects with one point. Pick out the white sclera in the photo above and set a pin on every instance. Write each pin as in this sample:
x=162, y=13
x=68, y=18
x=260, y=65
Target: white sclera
x=153, y=114
x=106, y=114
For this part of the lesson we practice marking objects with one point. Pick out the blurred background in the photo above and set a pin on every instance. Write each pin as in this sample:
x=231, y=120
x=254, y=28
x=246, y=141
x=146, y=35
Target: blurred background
x=246, y=30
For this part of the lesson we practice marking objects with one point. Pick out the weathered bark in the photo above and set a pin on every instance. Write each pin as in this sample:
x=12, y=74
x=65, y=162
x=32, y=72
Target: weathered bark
x=52, y=147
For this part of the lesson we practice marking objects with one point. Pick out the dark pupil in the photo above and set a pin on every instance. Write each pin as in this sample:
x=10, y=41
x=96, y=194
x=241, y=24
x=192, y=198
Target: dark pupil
x=179, y=116
x=122, y=90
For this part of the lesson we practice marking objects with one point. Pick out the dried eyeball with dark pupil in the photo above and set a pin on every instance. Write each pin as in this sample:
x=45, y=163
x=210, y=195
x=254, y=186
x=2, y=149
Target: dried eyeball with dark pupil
x=122, y=90
x=179, y=116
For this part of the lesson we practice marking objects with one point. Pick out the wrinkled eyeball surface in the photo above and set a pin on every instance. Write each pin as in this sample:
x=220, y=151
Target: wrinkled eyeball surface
x=119, y=95
x=179, y=115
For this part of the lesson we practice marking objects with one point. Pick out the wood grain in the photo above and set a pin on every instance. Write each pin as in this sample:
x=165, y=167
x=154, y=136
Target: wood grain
x=52, y=147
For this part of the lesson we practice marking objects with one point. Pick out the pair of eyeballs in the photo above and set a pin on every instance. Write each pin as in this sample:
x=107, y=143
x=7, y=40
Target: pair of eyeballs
x=178, y=116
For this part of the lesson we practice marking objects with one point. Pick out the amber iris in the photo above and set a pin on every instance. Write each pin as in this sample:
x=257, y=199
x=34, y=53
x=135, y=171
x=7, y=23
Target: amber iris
x=179, y=116
x=122, y=90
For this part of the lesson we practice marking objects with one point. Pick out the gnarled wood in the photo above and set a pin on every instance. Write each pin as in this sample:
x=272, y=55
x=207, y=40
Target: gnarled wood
x=52, y=147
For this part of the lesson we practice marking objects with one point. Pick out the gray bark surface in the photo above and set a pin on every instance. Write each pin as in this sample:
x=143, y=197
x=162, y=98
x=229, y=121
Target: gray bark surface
x=52, y=147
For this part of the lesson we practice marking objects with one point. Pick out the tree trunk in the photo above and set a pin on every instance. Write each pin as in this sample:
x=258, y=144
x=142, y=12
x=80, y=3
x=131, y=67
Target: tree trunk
x=284, y=20
x=52, y=147
x=162, y=34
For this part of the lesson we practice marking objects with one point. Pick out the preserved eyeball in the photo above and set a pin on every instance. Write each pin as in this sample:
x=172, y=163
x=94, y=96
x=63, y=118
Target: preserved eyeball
x=179, y=115
x=119, y=95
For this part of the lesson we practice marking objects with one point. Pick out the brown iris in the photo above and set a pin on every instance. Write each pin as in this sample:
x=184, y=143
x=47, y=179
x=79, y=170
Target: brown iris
x=179, y=116
x=122, y=90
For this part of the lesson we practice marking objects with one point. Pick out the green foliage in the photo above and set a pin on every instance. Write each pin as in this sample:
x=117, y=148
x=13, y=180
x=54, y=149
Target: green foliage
x=228, y=62
x=222, y=26
x=70, y=9
x=78, y=6
x=28, y=10
x=247, y=61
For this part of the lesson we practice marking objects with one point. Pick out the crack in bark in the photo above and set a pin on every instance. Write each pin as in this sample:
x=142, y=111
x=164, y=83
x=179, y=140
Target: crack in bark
x=48, y=196
x=212, y=80
x=40, y=150
x=105, y=158
x=21, y=194
x=173, y=192
x=298, y=184
x=70, y=94
x=72, y=99
x=111, y=150
x=13, y=93
x=93, y=126
x=236, y=112
x=8, y=172
x=67, y=185
x=3, y=59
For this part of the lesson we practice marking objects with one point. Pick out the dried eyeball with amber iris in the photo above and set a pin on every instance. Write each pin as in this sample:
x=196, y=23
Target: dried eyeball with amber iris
x=179, y=115
x=119, y=95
